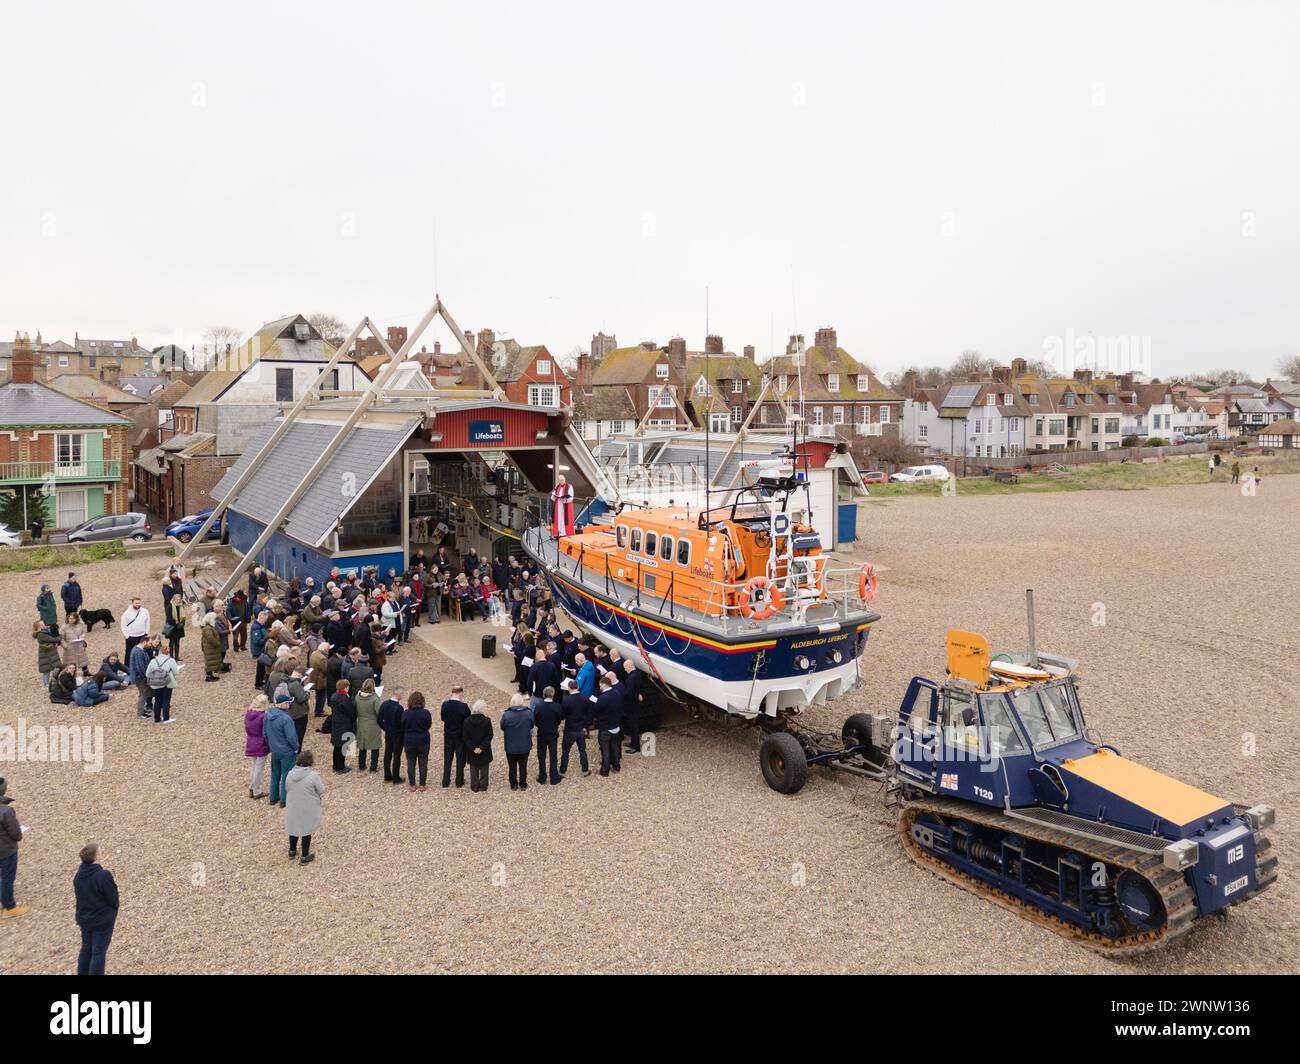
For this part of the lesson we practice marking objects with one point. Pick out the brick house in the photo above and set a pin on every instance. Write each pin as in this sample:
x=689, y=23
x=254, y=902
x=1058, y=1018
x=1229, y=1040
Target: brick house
x=650, y=379
x=841, y=396
x=76, y=451
x=528, y=375
x=176, y=477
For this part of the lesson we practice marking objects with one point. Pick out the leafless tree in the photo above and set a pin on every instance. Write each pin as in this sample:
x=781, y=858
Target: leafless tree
x=218, y=337
x=969, y=363
x=331, y=328
x=1290, y=367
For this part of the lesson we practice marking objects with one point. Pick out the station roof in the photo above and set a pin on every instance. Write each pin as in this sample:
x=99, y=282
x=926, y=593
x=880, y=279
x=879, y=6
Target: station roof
x=360, y=458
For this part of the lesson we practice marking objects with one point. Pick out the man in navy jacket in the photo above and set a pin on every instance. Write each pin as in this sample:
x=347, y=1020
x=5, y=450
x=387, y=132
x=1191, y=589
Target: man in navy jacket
x=632, y=698
x=454, y=714
x=97, y=904
x=609, y=724
x=546, y=719
x=70, y=592
x=576, y=708
x=390, y=722
x=542, y=674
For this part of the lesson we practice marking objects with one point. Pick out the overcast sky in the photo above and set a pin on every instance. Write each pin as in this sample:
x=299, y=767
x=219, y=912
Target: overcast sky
x=926, y=177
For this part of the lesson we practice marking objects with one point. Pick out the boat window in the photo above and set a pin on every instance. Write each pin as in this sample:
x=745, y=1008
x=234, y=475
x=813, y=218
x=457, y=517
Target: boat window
x=683, y=552
x=1046, y=712
x=1003, y=739
x=651, y=543
x=666, y=548
x=636, y=541
x=622, y=536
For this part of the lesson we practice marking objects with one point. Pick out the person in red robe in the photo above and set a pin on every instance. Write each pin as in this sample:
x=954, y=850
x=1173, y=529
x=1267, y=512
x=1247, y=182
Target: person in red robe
x=562, y=509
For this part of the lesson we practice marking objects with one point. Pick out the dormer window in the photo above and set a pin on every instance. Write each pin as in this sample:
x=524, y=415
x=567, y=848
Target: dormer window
x=661, y=371
x=301, y=331
x=833, y=382
x=701, y=387
x=1088, y=398
x=1069, y=399
x=863, y=384
x=543, y=367
x=1033, y=398
x=991, y=399
x=737, y=386
x=782, y=383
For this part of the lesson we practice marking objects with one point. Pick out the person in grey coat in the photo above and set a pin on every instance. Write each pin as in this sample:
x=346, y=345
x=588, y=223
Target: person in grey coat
x=517, y=737
x=48, y=661
x=304, y=789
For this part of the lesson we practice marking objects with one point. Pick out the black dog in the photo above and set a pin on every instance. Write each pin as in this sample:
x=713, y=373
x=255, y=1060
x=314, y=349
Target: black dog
x=91, y=617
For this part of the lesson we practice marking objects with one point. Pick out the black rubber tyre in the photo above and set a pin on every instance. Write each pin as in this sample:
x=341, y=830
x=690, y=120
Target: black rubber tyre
x=185, y=537
x=784, y=763
x=140, y=538
x=857, y=732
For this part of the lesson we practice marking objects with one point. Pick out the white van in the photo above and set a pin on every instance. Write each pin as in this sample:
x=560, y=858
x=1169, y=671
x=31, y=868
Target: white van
x=921, y=472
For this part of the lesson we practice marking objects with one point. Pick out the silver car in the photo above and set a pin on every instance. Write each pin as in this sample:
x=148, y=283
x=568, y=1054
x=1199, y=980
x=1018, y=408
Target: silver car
x=112, y=526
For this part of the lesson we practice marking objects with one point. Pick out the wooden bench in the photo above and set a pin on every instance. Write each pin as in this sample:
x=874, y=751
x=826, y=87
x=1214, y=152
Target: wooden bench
x=1006, y=476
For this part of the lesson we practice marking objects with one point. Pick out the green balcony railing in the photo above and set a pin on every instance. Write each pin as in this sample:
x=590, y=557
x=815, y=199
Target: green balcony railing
x=61, y=472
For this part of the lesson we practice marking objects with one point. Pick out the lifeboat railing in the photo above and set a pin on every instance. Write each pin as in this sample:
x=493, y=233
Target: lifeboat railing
x=836, y=588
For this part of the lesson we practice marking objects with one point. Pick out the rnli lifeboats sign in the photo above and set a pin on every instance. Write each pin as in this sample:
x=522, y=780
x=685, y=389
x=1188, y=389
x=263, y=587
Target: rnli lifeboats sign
x=487, y=432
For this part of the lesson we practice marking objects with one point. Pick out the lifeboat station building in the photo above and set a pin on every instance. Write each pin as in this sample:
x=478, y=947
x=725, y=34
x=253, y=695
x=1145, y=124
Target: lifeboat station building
x=354, y=479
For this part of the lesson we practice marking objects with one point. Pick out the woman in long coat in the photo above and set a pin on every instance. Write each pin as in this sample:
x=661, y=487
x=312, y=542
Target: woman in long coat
x=74, y=644
x=369, y=735
x=47, y=652
x=211, y=648
x=303, y=789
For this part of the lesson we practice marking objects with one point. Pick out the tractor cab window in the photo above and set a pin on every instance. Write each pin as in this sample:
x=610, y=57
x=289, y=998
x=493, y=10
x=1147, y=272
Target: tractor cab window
x=1047, y=713
x=960, y=726
x=1003, y=738
x=919, y=713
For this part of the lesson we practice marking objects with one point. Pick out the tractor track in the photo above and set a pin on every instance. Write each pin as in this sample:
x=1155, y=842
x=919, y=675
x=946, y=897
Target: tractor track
x=1178, y=897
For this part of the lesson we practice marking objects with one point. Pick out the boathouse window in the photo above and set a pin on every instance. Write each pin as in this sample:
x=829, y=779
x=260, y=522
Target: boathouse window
x=666, y=548
x=622, y=536
x=651, y=544
x=683, y=552
x=636, y=541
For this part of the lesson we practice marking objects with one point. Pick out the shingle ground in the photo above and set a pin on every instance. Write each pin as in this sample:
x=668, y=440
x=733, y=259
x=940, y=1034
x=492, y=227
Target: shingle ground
x=687, y=862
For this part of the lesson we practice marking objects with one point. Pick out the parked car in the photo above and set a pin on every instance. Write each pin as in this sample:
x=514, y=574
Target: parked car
x=188, y=526
x=10, y=538
x=920, y=472
x=112, y=526
x=873, y=476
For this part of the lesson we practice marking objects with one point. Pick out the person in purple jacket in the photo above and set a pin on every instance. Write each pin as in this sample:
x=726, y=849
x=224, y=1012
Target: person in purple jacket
x=255, y=745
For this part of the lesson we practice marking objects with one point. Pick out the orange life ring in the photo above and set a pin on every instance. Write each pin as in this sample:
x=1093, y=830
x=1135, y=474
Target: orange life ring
x=775, y=600
x=867, y=583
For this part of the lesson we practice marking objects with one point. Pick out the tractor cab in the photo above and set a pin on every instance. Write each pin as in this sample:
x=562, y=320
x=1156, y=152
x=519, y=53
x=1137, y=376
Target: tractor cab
x=990, y=732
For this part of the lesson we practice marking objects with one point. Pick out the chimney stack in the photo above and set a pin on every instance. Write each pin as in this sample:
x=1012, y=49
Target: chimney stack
x=1126, y=382
x=111, y=373
x=469, y=339
x=1083, y=376
x=23, y=369
x=584, y=373
x=649, y=345
x=396, y=337
x=677, y=352
x=713, y=345
x=910, y=382
x=827, y=341
x=487, y=339
x=749, y=352
x=1019, y=367
x=1002, y=374
x=796, y=342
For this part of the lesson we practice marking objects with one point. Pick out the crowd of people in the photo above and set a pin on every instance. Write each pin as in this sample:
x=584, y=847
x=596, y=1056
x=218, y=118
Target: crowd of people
x=321, y=652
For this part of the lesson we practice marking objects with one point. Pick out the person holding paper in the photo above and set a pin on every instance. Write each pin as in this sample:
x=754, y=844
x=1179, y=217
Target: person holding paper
x=74, y=643
x=417, y=722
x=343, y=723
x=609, y=722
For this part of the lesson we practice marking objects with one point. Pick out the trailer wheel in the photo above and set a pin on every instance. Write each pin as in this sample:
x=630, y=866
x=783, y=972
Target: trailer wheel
x=857, y=732
x=784, y=763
